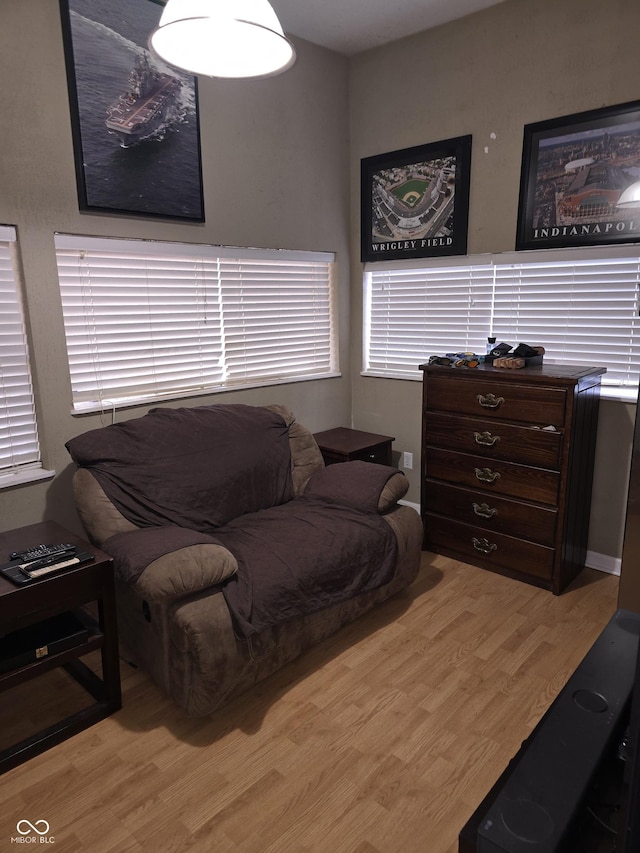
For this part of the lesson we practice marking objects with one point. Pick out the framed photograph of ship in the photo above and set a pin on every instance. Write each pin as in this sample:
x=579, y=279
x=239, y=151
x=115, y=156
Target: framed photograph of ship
x=580, y=180
x=415, y=202
x=134, y=120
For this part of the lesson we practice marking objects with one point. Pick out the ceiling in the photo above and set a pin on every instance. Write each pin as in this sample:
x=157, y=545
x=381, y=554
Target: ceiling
x=351, y=26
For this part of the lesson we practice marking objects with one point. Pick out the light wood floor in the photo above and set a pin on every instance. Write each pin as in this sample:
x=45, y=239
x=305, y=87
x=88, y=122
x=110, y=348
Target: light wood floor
x=382, y=740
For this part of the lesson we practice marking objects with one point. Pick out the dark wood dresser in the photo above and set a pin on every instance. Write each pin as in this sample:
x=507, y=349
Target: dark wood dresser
x=629, y=593
x=507, y=467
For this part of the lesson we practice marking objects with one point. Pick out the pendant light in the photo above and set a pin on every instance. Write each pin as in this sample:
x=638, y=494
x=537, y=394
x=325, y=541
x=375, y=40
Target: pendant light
x=222, y=38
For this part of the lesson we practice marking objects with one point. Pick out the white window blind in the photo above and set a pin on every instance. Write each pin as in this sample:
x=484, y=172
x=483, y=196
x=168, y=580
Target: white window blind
x=413, y=312
x=581, y=305
x=19, y=450
x=146, y=321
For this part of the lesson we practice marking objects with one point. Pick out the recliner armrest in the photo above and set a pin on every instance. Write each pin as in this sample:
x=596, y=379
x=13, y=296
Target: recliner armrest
x=394, y=490
x=168, y=562
x=363, y=485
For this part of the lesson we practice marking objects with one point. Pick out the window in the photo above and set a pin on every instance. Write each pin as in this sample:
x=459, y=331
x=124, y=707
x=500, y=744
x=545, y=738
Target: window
x=147, y=321
x=581, y=305
x=19, y=450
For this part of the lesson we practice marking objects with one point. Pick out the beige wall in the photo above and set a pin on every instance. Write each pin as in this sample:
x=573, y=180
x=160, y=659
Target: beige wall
x=518, y=62
x=289, y=133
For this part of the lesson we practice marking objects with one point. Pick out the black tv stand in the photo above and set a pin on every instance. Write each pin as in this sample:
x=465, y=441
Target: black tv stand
x=553, y=786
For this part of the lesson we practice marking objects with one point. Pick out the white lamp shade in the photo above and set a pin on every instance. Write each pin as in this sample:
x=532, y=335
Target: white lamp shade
x=222, y=38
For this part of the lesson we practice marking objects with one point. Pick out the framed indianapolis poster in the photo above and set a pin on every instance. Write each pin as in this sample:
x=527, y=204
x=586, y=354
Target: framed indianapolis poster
x=415, y=202
x=577, y=180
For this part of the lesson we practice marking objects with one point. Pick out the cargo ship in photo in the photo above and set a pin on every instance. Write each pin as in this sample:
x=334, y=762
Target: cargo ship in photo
x=147, y=107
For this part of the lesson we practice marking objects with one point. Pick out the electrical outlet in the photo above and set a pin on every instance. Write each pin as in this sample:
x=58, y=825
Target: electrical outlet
x=407, y=459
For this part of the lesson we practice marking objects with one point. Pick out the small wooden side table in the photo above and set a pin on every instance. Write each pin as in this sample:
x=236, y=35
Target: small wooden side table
x=343, y=445
x=67, y=590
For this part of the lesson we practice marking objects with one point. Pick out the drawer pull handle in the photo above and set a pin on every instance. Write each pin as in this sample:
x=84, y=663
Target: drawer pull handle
x=486, y=475
x=483, y=545
x=484, y=510
x=486, y=438
x=490, y=401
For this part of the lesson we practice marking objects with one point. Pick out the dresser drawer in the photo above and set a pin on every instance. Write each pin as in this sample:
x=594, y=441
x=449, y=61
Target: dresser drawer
x=486, y=397
x=494, y=439
x=489, y=550
x=509, y=479
x=492, y=512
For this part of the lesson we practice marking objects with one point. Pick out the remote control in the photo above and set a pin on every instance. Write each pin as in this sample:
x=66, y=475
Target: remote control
x=50, y=564
x=38, y=570
x=39, y=552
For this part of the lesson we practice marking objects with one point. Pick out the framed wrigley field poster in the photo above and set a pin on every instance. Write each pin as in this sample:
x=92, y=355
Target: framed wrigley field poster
x=578, y=173
x=415, y=202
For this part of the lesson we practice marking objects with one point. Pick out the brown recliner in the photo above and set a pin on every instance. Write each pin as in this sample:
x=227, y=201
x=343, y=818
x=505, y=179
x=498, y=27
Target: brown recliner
x=216, y=593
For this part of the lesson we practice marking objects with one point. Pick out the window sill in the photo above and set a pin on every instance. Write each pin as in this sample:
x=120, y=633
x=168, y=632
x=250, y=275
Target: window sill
x=93, y=407
x=30, y=475
x=622, y=395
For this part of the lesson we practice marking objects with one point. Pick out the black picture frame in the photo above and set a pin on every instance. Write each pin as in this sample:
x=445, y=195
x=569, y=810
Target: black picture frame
x=415, y=201
x=574, y=170
x=147, y=161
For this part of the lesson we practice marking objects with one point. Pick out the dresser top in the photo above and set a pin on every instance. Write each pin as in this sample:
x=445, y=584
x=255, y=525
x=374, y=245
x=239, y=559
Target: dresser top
x=540, y=374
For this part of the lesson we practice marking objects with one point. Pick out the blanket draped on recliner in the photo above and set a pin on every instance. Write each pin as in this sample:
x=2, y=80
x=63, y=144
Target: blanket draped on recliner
x=221, y=475
x=196, y=468
x=301, y=557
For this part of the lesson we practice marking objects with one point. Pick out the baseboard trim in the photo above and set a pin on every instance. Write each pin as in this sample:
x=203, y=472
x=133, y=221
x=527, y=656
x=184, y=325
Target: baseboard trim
x=603, y=563
x=411, y=504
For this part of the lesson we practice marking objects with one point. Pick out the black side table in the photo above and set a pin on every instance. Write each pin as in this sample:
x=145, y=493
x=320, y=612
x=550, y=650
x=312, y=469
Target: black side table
x=67, y=590
x=343, y=445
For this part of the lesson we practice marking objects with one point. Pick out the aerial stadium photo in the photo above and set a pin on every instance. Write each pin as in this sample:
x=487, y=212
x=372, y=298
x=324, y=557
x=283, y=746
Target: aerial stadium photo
x=416, y=207
x=578, y=183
